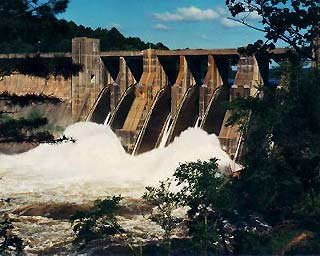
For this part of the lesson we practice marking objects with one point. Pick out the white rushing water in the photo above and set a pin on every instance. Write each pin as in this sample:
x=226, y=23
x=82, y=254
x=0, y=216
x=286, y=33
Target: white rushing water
x=98, y=161
x=106, y=122
x=95, y=166
x=167, y=130
x=198, y=122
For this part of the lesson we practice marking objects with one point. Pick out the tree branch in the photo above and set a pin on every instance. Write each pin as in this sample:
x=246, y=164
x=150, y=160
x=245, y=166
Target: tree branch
x=247, y=24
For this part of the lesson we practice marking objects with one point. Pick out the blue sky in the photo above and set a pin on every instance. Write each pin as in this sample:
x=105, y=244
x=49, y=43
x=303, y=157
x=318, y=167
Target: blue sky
x=176, y=23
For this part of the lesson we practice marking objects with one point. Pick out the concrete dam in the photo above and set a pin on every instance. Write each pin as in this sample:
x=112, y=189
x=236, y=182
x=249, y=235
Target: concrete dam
x=149, y=97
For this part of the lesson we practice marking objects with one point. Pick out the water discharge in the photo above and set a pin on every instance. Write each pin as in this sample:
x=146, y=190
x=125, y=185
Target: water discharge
x=167, y=130
x=93, y=167
x=97, y=160
x=198, y=122
x=106, y=122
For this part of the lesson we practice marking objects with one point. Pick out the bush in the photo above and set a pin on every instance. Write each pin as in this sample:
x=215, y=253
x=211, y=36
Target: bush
x=99, y=222
x=165, y=203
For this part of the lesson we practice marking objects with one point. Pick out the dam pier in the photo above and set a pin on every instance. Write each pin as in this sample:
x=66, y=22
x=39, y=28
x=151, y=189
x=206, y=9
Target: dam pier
x=148, y=97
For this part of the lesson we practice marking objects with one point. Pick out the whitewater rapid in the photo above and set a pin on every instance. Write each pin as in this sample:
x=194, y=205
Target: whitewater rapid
x=41, y=184
x=96, y=164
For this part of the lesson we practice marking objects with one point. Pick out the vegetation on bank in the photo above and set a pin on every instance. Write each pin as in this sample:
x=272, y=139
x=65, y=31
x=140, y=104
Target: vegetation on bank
x=34, y=127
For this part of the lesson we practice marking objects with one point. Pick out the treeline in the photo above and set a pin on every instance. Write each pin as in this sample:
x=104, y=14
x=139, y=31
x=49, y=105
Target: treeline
x=34, y=34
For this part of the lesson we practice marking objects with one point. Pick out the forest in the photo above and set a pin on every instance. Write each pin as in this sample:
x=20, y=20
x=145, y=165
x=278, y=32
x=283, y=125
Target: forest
x=44, y=32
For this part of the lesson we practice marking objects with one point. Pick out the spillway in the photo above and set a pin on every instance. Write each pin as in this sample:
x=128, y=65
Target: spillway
x=107, y=120
x=167, y=129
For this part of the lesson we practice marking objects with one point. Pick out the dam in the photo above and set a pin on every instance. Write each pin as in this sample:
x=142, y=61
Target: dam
x=149, y=97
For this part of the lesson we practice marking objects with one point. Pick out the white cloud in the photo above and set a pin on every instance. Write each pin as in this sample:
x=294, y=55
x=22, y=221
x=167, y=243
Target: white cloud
x=167, y=16
x=161, y=27
x=226, y=22
x=195, y=14
x=222, y=11
x=191, y=13
x=229, y=23
x=254, y=16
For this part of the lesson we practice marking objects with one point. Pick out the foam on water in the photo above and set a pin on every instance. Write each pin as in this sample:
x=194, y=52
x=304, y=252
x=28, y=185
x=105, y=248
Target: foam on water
x=97, y=164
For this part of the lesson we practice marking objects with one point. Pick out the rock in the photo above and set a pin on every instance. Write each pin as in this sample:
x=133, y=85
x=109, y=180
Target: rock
x=58, y=211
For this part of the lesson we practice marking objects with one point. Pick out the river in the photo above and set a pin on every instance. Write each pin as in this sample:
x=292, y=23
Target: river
x=42, y=185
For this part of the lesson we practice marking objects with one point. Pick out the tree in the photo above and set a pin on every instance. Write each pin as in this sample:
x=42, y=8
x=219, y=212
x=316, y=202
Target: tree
x=165, y=203
x=27, y=21
x=209, y=201
x=30, y=128
x=32, y=26
x=295, y=22
x=99, y=222
x=280, y=179
x=23, y=23
x=26, y=25
x=282, y=156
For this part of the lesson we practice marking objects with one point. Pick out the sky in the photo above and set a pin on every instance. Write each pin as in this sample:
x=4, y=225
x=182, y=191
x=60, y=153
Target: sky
x=197, y=24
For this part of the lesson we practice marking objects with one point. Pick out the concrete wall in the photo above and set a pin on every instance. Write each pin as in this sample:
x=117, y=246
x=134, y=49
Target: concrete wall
x=87, y=85
x=22, y=84
x=59, y=115
x=156, y=122
x=102, y=107
x=247, y=79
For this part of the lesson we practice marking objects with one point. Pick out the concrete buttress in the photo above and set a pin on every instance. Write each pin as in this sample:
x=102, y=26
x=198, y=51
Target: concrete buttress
x=87, y=85
x=247, y=79
x=212, y=82
x=184, y=101
x=124, y=80
x=147, y=91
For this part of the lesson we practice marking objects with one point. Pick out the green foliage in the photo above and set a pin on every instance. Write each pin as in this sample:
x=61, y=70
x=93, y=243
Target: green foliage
x=32, y=128
x=250, y=243
x=23, y=130
x=195, y=179
x=97, y=223
x=204, y=191
x=282, y=159
x=27, y=99
x=280, y=179
x=277, y=243
x=23, y=23
x=295, y=22
x=9, y=243
x=34, y=114
x=32, y=29
x=40, y=67
x=165, y=203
